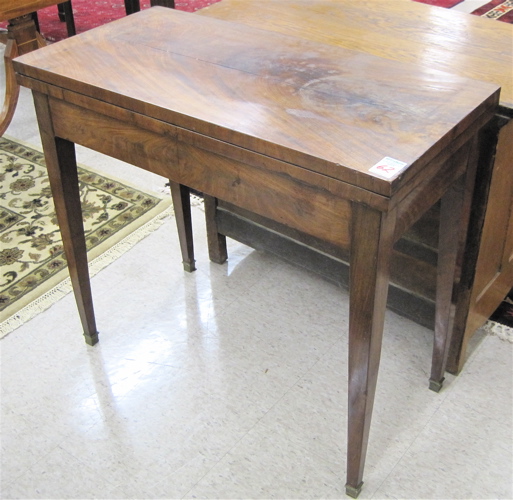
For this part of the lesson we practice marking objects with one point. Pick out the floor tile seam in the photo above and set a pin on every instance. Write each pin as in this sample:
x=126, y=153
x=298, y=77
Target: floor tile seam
x=469, y=364
x=413, y=441
x=228, y=303
x=490, y=417
x=57, y=441
x=31, y=466
x=259, y=420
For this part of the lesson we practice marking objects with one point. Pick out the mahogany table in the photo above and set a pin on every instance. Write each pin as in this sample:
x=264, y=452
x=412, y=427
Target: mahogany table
x=343, y=145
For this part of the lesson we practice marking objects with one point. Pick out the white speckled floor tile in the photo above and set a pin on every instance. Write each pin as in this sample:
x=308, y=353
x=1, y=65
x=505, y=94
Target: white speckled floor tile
x=268, y=464
x=489, y=378
x=22, y=444
x=462, y=453
x=58, y=475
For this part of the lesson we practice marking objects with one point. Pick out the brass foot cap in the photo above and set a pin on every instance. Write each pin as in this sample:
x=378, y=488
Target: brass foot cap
x=91, y=339
x=435, y=385
x=189, y=266
x=352, y=491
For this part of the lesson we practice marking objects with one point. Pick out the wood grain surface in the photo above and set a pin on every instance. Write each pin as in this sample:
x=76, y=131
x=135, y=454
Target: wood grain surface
x=401, y=30
x=330, y=110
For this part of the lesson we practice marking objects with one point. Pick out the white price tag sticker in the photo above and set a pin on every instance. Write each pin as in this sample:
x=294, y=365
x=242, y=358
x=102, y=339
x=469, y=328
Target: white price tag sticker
x=388, y=167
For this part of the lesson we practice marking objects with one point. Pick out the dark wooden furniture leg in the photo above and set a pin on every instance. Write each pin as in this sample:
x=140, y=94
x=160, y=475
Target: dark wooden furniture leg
x=62, y=15
x=132, y=6
x=454, y=218
x=62, y=172
x=163, y=3
x=67, y=9
x=216, y=241
x=371, y=250
x=182, y=207
x=36, y=20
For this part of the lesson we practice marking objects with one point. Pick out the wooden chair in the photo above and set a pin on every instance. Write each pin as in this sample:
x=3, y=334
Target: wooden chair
x=23, y=36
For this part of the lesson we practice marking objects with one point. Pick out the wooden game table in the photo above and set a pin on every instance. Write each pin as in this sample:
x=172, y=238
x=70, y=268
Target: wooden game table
x=342, y=145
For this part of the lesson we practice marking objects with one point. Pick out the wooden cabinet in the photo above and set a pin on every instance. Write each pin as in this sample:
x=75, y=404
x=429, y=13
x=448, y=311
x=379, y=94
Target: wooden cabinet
x=493, y=277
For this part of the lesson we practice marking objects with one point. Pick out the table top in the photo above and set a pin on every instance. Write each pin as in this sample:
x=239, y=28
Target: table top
x=10, y=9
x=330, y=110
x=403, y=30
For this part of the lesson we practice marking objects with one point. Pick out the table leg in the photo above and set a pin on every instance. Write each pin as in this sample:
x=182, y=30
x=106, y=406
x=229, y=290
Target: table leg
x=454, y=219
x=371, y=250
x=182, y=208
x=216, y=242
x=62, y=172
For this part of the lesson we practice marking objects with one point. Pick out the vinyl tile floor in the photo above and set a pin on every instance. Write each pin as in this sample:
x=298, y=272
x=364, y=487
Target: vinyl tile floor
x=230, y=383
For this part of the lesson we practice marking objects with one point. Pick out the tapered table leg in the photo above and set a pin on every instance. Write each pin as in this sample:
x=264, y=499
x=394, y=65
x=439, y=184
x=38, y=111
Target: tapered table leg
x=454, y=219
x=371, y=250
x=62, y=171
x=216, y=242
x=182, y=208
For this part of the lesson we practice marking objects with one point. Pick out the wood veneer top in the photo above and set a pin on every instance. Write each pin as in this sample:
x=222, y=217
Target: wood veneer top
x=402, y=30
x=327, y=109
x=10, y=9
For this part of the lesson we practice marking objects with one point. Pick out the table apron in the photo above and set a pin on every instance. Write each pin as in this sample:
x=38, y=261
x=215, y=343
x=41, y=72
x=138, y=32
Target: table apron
x=301, y=199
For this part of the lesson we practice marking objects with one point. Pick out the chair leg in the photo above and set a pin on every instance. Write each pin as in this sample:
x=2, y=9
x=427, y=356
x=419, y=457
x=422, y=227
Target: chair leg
x=35, y=19
x=67, y=11
x=132, y=6
x=60, y=8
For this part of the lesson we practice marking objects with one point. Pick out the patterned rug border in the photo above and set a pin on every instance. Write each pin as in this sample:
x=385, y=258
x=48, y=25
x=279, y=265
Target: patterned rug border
x=500, y=10
x=99, y=257
x=504, y=332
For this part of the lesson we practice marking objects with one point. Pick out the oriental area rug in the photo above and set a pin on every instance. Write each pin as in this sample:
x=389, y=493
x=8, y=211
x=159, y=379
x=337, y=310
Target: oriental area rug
x=33, y=270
